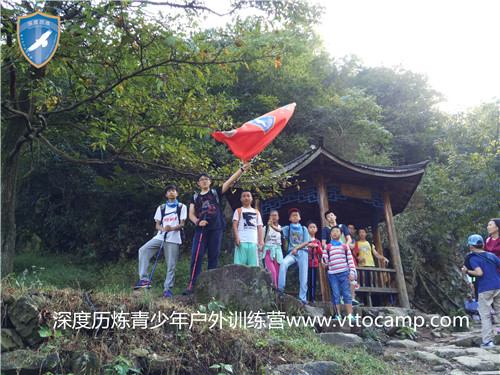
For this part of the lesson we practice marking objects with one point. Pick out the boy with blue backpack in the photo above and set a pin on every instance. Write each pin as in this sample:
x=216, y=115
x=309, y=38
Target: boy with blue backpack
x=298, y=238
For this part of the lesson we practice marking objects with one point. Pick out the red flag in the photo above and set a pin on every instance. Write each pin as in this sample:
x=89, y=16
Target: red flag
x=253, y=136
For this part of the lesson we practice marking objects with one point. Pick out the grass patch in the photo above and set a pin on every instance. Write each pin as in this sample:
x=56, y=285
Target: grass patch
x=304, y=343
x=68, y=271
x=42, y=270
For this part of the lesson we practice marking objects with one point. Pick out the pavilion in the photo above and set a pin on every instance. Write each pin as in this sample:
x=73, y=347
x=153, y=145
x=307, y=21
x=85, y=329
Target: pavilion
x=358, y=193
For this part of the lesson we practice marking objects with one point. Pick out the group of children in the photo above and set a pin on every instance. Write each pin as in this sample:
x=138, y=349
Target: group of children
x=256, y=244
x=337, y=252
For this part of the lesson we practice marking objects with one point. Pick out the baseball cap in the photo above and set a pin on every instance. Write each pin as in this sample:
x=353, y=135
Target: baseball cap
x=169, y=187
x=293, y=210
x=475, y=240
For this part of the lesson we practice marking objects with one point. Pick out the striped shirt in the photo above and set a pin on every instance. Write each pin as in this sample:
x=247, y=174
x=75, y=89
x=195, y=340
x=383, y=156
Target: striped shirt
x=335, y=256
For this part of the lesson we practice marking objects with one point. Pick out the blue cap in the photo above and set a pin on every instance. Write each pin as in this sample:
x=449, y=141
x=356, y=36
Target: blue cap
x=475, y=240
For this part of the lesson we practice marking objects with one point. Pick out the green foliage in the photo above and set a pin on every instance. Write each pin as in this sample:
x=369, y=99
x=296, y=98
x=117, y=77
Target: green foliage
x=213, y=306
x=408, y=110
x=223, y=368
x=406, y=333
x=126, y=86
x=463, y=325
x=46, y=332
x=120, y=366
x=352, y=360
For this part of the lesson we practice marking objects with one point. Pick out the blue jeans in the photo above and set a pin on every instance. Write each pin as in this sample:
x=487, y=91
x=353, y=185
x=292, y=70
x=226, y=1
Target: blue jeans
x=340, y=286
x=302, y=260
x=210, y=241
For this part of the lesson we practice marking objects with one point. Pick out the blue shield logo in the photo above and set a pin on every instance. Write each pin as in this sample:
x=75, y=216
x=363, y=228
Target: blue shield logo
x=38, y=36
x=264, y=122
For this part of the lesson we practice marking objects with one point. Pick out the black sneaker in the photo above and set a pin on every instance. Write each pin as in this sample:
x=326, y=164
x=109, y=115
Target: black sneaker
x=186, y=292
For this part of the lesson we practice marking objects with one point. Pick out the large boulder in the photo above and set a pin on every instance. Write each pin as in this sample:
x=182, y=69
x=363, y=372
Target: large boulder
x=340, y=339
x=27, y=362
x=84, y=363
x=312, y=368
x=240, y=288
x=11, y=340
x=24, y=316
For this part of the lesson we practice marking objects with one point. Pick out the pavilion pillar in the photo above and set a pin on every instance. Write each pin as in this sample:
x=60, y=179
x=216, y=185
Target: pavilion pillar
x=395, y=255
x=378, y=246
x=323, y=207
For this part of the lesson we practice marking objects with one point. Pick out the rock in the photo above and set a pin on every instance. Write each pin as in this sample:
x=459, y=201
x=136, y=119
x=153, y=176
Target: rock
x=314, y=311
x=290, y=305
x=457, y=372
x=27, y=362
x=446, y=352
x=405, y=344
x=312, y=368
x=374, y=347
x=476, y=351
x=138, y=352
x=326, y=306
x=158, y=365
x=463, y=341
x=399, y=311
x=240, y=288
x=439, y=368
x=24, y=315
x=11, y=340
x=9, y=300
x=340, y=339
x=475, y=364
x=436, y=334
x=495, y=358
x=84, y=363
x=430, y=358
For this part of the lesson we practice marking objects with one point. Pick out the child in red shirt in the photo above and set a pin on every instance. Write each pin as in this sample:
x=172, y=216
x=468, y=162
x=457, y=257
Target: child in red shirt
x=315, y=251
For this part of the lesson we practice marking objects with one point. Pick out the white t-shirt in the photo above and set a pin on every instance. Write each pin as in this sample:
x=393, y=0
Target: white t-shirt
x=247, y=224
x=273, y=238
x=171, y=219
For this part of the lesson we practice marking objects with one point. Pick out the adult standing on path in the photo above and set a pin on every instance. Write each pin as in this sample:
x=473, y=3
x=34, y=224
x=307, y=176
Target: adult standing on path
x=493, y=241
x=484, y=267
x=206, y=214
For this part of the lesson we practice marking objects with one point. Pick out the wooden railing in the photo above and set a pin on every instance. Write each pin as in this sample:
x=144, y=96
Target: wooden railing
x=382, y=280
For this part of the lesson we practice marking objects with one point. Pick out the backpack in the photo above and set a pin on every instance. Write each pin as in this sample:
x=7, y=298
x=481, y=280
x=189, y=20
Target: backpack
x=179, y=209
x=342, y=235
x=346, y=249
x=239, y=213
x=221, y=213
x=486, y=258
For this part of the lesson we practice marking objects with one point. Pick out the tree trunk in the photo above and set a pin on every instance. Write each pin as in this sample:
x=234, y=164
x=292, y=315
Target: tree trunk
x=10, y=165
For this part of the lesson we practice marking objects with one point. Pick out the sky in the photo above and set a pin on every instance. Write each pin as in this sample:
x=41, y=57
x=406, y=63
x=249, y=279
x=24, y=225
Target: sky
x=456, y=44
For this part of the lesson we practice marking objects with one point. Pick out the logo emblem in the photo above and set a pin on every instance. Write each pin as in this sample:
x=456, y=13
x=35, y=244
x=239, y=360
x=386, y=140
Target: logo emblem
x=264, y=122
x=38, y=36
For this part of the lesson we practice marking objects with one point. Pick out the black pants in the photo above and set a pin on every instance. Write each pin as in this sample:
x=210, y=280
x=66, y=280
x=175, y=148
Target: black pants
x=312, y=282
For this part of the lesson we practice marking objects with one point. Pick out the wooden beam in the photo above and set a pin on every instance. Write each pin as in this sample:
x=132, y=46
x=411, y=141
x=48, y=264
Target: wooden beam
x=395, y=255
x=323, y=207
x=376, y=269
x=378, y=246
x=376, y=290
